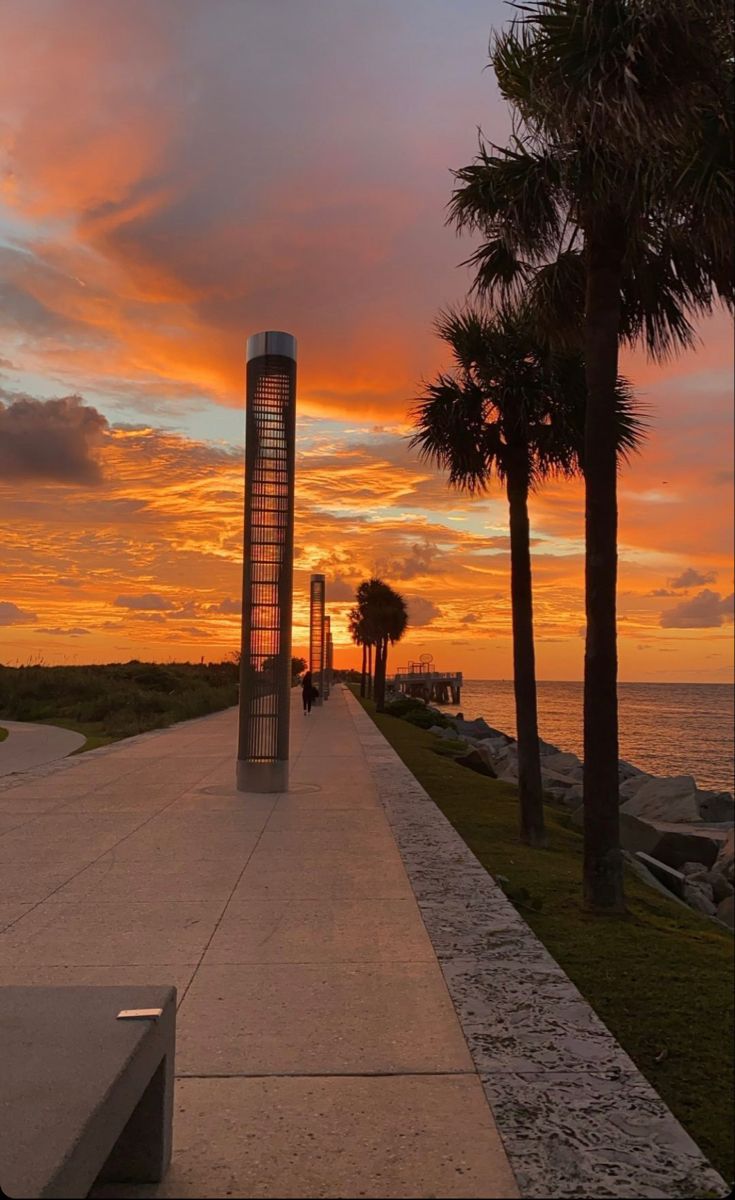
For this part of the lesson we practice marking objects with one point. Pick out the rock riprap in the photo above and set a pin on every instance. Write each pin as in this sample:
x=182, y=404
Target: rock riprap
x=671, y=829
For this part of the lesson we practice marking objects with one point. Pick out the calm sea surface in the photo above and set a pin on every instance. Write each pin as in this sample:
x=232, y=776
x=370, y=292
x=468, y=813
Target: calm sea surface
x=665, y=728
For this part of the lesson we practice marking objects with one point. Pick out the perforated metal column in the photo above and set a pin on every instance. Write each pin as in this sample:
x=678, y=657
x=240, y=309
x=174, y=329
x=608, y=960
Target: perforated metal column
x=316, y=634
x=330, y=661
x=265, y=662
x=327, y=673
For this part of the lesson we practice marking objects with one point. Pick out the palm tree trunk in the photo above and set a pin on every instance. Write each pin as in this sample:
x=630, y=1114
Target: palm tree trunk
x=603, y=866
x=370, y=670
x=530, y=787
x=364, y=670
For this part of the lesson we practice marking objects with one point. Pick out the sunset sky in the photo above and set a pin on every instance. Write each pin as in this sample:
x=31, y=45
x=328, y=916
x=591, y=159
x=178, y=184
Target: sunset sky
x=178, y=174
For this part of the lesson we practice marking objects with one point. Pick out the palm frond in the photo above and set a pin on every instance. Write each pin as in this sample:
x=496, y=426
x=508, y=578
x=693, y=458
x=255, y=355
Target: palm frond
x=449, y=419
x=511, y=195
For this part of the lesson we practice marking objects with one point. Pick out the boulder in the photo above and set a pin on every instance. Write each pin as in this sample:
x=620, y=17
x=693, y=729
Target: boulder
x=554, y=779
x=726, y=911
x=716, y=806
x=690, y=853
x=725, y=861
x=632, y=785
x=673, y=799
x=475, y=762
x=495, y=745
x=563, y=764
x=699, y=895
x=506, y=761
x=486, y=757
x=637, y=835
x=677, y=847
x=546, y=748
x=572, y=797
x=721, y=887
x=478, y=728
x=627, y=771
x=694, y=871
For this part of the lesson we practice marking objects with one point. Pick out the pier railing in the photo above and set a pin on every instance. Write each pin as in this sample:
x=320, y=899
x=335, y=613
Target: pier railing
x=426, y=676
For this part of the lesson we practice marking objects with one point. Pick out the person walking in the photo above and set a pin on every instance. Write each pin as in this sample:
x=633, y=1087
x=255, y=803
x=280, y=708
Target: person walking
x=307, y=692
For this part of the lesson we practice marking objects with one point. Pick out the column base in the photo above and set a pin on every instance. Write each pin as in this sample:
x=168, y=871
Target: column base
x=262, y=777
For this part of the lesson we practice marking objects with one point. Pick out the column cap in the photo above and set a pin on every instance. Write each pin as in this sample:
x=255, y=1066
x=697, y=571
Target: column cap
x=271, y=341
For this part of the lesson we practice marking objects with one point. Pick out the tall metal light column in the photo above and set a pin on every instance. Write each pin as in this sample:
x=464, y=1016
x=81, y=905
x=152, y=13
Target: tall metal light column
x=327, y=675
x=265, y=660
x=316, y=634
x=330, y=660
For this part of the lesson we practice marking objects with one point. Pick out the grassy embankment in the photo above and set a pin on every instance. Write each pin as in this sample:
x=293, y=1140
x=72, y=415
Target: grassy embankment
x=3, y=734
x=660, y=978
x=117, y=700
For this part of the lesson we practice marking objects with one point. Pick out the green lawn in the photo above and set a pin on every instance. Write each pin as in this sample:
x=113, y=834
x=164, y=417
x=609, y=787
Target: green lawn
x=660, y=978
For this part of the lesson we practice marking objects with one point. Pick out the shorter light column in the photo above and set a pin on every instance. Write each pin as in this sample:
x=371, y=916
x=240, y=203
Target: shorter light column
x=327, y=675
x=316, y=634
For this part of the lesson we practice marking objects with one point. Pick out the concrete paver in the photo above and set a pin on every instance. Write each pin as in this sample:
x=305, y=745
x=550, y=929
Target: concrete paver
x=319, y=931
x=399, y=1135
x=327, y=1019
x=319, y=1052
x=328, y=872
x=110, y=934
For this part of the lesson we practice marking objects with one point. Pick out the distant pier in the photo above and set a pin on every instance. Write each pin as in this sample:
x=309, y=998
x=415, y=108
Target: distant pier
x=422, y=680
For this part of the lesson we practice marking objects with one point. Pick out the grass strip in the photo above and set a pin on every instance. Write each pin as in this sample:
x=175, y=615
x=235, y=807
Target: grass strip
x=661, y=977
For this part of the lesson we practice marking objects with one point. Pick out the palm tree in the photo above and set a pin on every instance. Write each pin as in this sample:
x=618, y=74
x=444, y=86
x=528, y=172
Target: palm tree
x=359, y=634
x=391, y=620
x=362, y=620
x=610, y=213
x=512, y=409
x=379, y=618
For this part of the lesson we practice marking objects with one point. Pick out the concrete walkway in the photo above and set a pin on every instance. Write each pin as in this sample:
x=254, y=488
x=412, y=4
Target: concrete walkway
x=28, y=745
x=319, y=1052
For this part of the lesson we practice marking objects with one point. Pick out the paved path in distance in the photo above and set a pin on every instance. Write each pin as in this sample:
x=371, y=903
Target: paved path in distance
x=319, y=1053
x=28, y=745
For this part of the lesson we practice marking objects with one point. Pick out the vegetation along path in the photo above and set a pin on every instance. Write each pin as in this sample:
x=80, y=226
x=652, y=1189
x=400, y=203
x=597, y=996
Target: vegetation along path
x=661, y=978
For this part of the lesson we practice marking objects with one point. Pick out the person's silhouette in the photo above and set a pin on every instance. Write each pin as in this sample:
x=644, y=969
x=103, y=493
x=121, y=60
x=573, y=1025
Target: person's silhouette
x=307, y=692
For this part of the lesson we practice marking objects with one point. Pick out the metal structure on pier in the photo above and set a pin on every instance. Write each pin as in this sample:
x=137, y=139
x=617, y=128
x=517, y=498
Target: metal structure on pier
x=422, y=680
x=265, y=658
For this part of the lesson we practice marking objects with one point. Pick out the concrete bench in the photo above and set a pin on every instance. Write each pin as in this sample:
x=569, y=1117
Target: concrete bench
x=84, y=1095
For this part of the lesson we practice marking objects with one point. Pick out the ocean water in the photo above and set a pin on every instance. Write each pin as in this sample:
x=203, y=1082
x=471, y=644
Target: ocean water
x=665, y=728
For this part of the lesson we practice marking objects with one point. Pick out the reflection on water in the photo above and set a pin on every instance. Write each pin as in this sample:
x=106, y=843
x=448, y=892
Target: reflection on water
x=665, y=728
